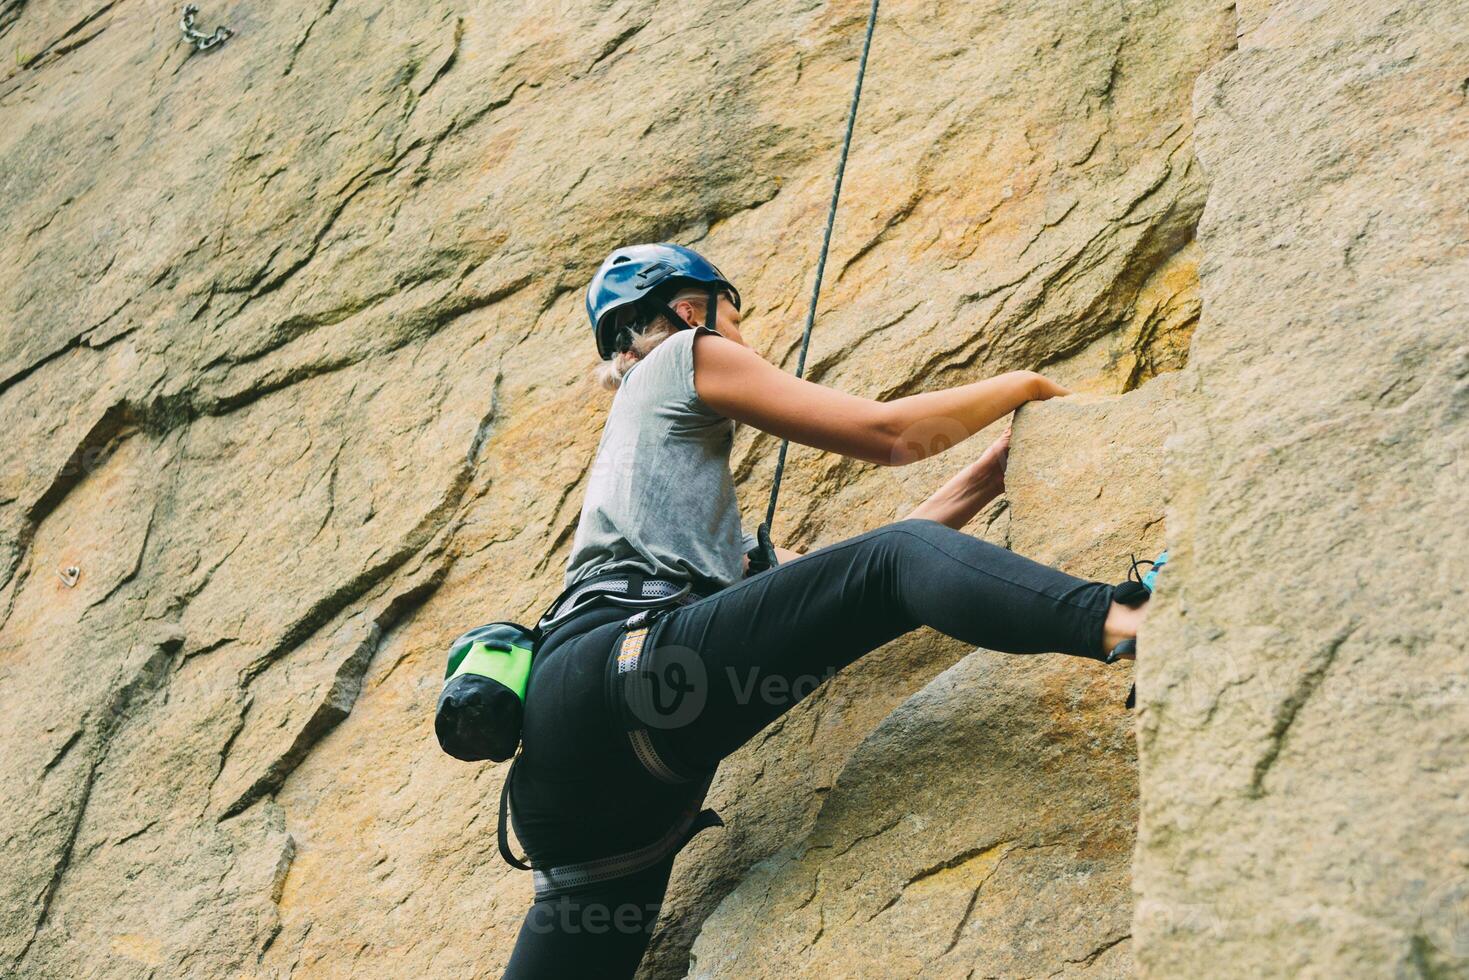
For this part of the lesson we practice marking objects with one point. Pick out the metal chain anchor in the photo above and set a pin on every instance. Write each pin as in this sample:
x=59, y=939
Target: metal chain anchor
x=196, y=37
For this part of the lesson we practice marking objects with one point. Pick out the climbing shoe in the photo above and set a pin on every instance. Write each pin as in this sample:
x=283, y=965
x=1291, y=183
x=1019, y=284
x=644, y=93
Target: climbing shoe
x=1134, y=592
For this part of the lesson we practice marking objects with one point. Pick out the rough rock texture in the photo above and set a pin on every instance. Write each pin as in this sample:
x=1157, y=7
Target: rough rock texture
x=1085, y=479
x=986, y=827
x=293, y=371
x=286, y=321
x=1304, y=734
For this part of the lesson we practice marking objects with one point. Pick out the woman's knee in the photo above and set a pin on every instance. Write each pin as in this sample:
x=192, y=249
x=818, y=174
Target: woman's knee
x=916, y=536
x=924, y=534
x=900, y=555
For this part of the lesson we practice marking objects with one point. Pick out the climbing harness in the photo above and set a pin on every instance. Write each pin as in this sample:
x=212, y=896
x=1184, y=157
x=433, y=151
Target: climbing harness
x=196, y=37
x=652, y=597
x=555, y=879
x=627, y=660
x=627, y=587
x=623, y=589
x=634, y=701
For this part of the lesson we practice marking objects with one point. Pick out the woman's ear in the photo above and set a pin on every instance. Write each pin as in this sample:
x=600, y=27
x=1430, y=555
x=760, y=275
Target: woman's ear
x=686, y=312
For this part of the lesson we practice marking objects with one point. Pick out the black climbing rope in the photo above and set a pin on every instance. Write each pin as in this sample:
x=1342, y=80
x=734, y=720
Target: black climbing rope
x=831, y=217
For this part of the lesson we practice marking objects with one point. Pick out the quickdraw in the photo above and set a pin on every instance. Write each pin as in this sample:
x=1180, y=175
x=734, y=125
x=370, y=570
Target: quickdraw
x=196, y=37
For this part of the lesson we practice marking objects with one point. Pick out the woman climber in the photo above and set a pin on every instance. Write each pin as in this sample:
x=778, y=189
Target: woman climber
x=662, y=657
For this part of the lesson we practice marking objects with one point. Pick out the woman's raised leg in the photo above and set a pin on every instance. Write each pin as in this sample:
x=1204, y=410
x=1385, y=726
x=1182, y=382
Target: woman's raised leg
x=726, y=666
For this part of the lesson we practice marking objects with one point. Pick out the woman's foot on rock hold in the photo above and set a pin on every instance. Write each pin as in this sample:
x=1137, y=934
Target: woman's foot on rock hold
x=1130, y=597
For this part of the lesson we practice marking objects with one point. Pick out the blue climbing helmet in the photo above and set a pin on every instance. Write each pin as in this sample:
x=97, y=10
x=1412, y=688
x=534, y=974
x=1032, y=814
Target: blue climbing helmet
x=643, y=276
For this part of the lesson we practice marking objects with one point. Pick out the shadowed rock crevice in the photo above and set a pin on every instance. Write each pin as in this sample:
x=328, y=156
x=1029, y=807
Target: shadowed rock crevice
x=306, y=35
x=1309, y=681
x=132, y=696
x=10, y=11
x=340, y=696
x=114, y=425
x=73, y=37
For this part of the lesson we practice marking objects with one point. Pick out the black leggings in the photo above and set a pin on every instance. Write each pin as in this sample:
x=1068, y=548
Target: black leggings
x=729, y=664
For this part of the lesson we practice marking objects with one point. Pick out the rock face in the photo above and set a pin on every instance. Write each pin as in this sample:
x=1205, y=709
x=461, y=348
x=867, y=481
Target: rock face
x=293, y=372
x=986, y=827
x=1304, y=733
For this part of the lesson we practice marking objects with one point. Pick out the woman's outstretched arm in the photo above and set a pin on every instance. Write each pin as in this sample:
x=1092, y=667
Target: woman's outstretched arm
x=739, y=384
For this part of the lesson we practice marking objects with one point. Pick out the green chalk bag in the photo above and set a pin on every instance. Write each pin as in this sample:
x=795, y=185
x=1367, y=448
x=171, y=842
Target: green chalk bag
x=482, y=705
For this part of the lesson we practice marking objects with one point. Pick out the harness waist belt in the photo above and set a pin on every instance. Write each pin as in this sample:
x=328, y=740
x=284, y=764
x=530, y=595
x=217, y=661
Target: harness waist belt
x=628, y=588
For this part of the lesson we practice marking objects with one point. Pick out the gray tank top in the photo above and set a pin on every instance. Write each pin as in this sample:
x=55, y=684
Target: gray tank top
x=660, y=497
